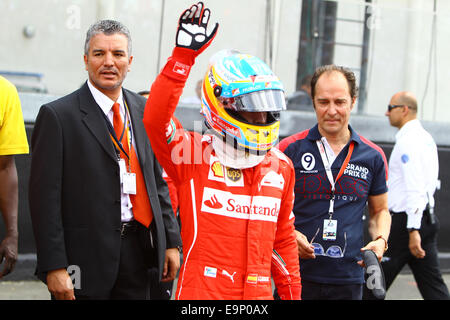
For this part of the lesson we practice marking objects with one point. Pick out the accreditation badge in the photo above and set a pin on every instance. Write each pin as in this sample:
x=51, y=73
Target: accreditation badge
x=329, y=229
x=129, y=183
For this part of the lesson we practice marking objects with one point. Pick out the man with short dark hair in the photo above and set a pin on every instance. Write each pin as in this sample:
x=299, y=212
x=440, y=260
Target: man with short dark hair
x=413, y=176
x=336, y=171
x=98, y=202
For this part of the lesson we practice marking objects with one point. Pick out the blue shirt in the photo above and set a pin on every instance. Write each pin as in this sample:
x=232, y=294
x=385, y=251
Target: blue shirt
x=365, y=175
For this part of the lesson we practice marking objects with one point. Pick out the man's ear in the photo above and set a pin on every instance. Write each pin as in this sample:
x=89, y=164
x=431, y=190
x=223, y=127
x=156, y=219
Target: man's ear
x=353, y=103
x=406, y=111
x=130, y=60
x=85, y=62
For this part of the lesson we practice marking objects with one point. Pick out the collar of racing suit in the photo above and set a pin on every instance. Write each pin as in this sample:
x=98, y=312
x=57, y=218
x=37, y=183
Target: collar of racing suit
x=232, y=157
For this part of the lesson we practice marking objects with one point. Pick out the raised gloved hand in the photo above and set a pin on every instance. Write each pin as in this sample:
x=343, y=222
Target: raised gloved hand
x=191, y=40
x=192, y=28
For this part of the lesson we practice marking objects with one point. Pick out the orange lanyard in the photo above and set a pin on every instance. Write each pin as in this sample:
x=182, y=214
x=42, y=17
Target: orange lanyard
x=126, y=129
x=327, y=166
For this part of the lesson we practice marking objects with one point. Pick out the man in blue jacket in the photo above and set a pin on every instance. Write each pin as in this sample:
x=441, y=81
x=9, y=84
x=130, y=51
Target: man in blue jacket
x=337, y=172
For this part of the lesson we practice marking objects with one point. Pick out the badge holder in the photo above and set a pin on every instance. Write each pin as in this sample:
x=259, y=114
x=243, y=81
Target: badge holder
x=129, y=182
x=329, y=229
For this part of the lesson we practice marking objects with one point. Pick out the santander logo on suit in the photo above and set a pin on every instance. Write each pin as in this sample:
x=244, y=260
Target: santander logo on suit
x=240, y=206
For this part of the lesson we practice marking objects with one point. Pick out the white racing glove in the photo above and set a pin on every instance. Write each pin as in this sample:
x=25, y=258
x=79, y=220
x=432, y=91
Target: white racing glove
x=192, y=28
x=191, y=40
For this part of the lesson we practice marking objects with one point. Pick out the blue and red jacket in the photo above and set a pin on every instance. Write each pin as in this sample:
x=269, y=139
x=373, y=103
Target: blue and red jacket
x=365, y=175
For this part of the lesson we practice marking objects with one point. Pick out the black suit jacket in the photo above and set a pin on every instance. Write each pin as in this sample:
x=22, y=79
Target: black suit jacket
x=75, y=190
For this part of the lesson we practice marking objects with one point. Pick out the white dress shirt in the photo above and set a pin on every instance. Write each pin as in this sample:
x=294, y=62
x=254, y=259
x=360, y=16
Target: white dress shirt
x=106, y=104
x=413, y=172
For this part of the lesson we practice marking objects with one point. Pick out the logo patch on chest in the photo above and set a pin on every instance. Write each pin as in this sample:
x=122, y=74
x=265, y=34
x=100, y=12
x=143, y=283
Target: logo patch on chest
x=240, y=206
x=234, y=174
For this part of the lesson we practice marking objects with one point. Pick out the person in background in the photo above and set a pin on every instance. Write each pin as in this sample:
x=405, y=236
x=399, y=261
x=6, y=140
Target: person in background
x=301, y=99
x=13, y=140
x=413, y=177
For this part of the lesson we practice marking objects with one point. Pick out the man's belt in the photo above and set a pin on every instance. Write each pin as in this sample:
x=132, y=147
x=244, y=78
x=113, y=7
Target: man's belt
x=128, y=227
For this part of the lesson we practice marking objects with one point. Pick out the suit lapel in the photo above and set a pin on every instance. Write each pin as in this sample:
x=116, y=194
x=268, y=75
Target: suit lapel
x=95, y=121
x=139, y=134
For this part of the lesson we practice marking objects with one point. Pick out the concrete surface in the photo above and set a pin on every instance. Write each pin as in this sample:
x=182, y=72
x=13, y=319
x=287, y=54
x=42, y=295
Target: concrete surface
x=21, y=284
x=403, y=288
x=23, y=290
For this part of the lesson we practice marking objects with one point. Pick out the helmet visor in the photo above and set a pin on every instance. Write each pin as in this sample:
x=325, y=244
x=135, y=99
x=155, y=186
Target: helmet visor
x=257, y=101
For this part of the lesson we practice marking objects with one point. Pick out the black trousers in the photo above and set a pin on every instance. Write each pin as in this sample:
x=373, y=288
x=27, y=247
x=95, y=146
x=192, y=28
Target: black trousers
x=136, y=258
x=322, y=291
x=426, y=271
x=159, y=290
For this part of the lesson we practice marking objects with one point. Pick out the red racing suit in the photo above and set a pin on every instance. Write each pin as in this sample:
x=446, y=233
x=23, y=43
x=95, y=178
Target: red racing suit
x=236, y=225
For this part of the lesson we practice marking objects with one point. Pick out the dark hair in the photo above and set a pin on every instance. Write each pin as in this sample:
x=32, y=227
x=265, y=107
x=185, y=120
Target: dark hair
x=107, y=27
x=347, y=73
x=306, y=80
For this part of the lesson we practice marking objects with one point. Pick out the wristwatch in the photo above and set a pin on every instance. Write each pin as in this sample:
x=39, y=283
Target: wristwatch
x=413, y=229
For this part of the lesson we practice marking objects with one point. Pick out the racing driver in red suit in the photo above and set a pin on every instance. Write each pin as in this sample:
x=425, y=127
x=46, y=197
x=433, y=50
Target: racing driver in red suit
x=235, y=190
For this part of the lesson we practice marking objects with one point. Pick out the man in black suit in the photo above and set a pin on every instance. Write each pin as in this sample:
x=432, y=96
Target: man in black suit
x=100, y=208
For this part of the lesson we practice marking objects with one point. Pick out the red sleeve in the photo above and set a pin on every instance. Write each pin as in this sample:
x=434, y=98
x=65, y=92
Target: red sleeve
x=173, y=147
x=172, y=192
x=285, y=261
